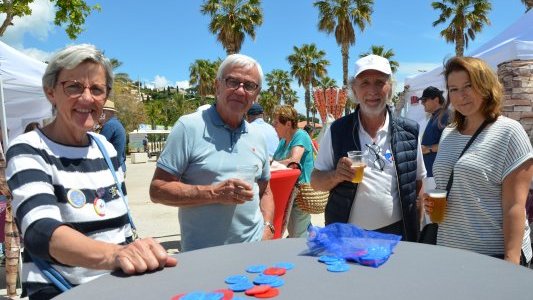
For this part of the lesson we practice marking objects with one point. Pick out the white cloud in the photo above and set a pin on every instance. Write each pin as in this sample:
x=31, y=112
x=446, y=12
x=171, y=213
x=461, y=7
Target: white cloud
x=183, y=84
x=38, y=24
x=160, y=82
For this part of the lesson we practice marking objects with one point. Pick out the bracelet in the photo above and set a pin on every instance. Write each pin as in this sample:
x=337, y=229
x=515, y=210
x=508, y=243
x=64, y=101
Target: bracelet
x=270, y=226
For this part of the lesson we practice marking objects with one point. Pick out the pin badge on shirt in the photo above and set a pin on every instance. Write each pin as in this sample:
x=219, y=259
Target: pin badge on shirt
x=113, y=191
x=100, y=192
x=76, y=198
x=99, y=207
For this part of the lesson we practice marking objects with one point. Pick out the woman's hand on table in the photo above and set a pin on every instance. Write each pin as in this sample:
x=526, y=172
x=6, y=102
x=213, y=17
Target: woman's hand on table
x=143, y=255
x=233, y=191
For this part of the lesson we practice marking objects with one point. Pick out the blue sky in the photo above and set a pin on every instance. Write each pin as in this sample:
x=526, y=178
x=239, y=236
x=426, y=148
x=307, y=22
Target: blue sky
x=159, y=39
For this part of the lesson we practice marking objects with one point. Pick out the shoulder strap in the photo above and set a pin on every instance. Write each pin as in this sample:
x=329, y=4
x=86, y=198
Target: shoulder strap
x=478, y=131
x=117, y=183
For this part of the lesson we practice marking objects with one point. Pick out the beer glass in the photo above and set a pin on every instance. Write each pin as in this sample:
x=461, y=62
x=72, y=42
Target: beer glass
x=357, y=163
x=438, y=198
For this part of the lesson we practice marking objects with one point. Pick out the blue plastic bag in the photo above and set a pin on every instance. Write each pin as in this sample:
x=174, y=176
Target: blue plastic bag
x=366, y=247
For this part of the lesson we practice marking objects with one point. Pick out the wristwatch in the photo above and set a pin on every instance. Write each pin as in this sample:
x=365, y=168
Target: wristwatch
x=270, y=226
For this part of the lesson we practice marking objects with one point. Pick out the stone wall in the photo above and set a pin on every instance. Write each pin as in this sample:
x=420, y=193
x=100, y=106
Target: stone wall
x=517, y=79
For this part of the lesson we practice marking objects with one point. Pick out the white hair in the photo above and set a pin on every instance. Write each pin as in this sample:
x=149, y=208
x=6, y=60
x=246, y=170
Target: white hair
x=239, y=60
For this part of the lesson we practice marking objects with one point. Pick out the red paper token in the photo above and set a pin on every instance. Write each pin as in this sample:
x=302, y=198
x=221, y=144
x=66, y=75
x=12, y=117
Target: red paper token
x=275, y=271
x=273, y=292
x=228, y=294
x=258, y=289
x=177, y=297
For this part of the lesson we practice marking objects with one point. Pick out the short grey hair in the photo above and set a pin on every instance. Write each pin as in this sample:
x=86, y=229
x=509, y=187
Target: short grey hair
x=70, y=57
x=239, y=60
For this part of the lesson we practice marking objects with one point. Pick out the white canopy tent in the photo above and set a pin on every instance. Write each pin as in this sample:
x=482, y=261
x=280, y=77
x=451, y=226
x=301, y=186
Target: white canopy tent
x=515, y=42
x=22, y=99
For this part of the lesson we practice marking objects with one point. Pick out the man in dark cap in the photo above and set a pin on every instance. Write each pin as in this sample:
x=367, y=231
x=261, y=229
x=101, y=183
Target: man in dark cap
x=434, y=103
x=255, y=118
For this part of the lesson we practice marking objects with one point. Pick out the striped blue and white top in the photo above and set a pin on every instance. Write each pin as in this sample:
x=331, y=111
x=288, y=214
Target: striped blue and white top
x=474, y=219
x=53, y=185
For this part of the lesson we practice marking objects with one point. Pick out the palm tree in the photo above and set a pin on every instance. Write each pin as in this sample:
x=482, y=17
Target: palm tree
x=308, y=64
x=339, y=16
x=291, y=98
x=528, y=4
x=279, y=84
x=327, y=82
x=202, y=75
x=380, y=50
x=268, y=101
x=466, y=18
x=231, y=20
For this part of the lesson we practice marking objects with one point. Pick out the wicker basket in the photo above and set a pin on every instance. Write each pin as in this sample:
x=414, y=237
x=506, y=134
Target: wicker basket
x=311, y=201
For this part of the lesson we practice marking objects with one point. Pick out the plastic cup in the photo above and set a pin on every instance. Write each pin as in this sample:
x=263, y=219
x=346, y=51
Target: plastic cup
x=357, y=164
x=246, y=173
x=438, y=198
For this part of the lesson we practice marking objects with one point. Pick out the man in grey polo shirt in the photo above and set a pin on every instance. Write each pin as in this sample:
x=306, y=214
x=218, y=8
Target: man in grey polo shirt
x=198, y=170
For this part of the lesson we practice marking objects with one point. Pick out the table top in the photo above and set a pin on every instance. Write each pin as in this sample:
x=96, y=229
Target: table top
x=414, y=271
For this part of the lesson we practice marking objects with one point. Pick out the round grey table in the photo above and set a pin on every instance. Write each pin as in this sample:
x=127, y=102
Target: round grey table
x=414, y=271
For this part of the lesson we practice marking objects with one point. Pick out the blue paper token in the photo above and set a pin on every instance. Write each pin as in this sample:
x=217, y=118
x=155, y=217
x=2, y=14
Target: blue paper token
x=265, y=279
x=327, y=259
x=285, y=265
x=340, y=267
x=256, y=269
x=240, y=287
x=279, y=282
x=236, y=279
x=213, y=296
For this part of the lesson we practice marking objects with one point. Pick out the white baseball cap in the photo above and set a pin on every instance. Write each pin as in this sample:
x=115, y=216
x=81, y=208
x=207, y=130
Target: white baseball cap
x=372, y=62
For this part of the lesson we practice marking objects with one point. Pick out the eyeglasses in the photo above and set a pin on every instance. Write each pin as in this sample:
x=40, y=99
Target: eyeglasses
x=74, y=89
x=248, y=86
x=379, y=161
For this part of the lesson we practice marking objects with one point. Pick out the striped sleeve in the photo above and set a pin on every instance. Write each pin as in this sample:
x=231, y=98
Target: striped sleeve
x=34, y=202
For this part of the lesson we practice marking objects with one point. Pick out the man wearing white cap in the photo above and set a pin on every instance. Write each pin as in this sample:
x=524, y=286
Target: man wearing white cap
x=114, y=132
x=385, y=200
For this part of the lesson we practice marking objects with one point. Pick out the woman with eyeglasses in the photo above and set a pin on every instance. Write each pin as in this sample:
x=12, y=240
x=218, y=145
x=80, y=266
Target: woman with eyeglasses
x=488, y=183
x=68, y=201
x=294, y=146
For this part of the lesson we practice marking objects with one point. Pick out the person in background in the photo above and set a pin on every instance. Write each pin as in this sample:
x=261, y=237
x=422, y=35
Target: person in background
x=295, y=146
x=255, y=118
x=485, y=210
x=433, y=103
x=198, y=169
x=310, y=130
x=65, y=199
x=31, y=126
x=114, y=132
x=385, y=200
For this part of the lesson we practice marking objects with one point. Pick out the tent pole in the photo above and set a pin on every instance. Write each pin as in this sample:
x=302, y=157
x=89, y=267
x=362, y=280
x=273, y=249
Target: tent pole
x=5, y=137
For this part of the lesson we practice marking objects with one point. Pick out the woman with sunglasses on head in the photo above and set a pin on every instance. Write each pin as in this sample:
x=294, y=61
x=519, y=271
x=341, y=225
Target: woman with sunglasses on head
x=68, y=201
x=485, y=162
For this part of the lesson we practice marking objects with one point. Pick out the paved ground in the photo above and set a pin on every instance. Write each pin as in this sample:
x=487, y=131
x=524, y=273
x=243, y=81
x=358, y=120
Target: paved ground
x=158, y=221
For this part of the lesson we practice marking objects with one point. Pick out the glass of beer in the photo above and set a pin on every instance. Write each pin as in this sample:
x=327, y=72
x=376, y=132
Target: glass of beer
x=357, y=164
x=438, y=198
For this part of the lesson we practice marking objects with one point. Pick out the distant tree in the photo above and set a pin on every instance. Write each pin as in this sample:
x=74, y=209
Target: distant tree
x=202, y=75
x=466, y=18
x=528, y=4
x=130, y=110
x=340, y=16
x=307, y=65
x=327, y=82
x=231, y=20
x=72, y=13
x=389, y=54
x=291, y=98
x=279, y=84
x=268, y=101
